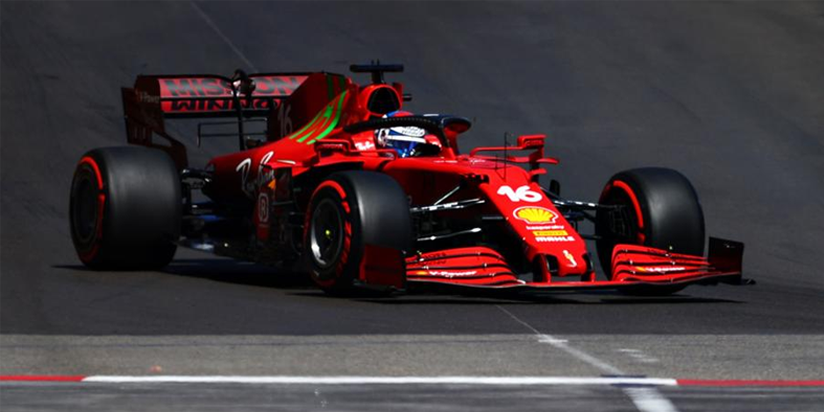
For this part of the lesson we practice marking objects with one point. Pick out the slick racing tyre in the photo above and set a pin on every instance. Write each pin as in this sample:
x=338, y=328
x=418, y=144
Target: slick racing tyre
x=660, y=210
x=125, y=208
x=348, y=211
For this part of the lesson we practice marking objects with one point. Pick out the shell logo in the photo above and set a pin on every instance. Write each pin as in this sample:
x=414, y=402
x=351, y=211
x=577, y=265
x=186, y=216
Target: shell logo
x=535, y=214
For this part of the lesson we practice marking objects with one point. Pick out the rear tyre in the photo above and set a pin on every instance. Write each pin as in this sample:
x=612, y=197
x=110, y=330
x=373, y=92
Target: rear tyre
x=125, y=209
x=661, y=210
x=348, y=211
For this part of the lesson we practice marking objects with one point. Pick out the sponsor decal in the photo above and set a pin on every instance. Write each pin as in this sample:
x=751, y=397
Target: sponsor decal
x=435, y=259
x=217, y=105
x=550, y=233
x=570, y=259
x=144, y=97
x=284, y=119
x=263, y=217
x=263, y=160
x=263, y=208
x=218, y=93
x=195, y=87
x=553, y=239
x=445, y=273
x=216, y=87
x=659, y=269
x=263, y=176
x=243, y=167
x=522, y=194
x=365, y=145
x=546, y=227
x=277, y=85
x=535, y=215
x=410, y=131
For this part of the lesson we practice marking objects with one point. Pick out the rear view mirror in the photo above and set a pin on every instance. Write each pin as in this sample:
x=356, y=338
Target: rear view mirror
x=456, y=125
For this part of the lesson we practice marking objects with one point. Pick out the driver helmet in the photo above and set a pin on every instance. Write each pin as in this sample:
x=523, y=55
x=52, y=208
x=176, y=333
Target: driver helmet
x=402, y=138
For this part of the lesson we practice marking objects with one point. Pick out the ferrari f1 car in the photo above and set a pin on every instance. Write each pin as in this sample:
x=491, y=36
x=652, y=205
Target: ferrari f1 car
x=334, y=177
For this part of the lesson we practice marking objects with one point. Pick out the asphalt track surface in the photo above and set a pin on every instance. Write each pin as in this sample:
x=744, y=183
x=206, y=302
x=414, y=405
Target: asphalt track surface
x=730, y=93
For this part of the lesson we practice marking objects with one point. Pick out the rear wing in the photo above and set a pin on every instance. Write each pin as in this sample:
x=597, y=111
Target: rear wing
x=211, y=95
x=155, y=98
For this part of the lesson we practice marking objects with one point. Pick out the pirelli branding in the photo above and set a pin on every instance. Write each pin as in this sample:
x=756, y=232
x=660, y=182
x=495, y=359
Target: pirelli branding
x=550, y=233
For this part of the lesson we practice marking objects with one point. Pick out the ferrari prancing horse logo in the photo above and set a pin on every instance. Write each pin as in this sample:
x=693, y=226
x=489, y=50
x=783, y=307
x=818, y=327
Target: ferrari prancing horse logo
x=570, y=258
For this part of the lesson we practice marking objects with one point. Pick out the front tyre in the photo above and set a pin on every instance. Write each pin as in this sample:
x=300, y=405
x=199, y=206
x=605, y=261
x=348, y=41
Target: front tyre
x=347, y=212
x=125, y=209
x=660, y=210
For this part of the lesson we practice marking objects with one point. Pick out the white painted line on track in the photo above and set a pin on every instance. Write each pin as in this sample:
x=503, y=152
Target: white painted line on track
x=564, y=346
x=638, y=355
x=646, y=399
x=225, y=39
x=387, y=380
x=628, y=381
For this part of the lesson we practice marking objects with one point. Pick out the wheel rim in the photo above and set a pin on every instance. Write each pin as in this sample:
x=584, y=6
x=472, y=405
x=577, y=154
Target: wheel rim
x=622, y=224
x=326, y=234
x=85, y=208
x=615, y=227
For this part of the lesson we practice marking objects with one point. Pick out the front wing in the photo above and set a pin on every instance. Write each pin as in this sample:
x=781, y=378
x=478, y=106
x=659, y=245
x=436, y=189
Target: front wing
x=632, y=266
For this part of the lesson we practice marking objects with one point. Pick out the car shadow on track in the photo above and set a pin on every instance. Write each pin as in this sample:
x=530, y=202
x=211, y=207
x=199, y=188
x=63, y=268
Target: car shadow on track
x=299, y=284
x=498, y=298
x=555, y=300
x=228, y=271
x=239, y=272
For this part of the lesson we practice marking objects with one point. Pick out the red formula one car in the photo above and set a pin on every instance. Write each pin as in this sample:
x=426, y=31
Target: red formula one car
x=334, y=176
